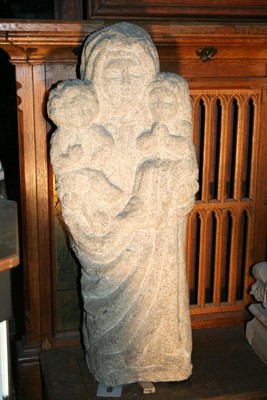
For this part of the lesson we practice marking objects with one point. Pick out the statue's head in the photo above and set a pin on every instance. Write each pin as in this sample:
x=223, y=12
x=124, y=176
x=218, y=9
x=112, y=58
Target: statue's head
x=72, y=102
x=166, y=98
x=119, y=60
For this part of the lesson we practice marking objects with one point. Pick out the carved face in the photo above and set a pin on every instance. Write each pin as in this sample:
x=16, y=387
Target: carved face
x=73, y=109
x=162, y=104
x=87, y=107
x=122, y=80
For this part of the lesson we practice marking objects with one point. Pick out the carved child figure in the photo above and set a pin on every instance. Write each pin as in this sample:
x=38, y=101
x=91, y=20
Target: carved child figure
x=73, y=108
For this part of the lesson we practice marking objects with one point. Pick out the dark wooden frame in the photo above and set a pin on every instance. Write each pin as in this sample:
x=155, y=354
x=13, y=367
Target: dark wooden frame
x=173, y=9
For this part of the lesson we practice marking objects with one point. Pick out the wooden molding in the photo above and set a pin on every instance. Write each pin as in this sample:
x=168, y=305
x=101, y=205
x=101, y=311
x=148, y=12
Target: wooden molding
x=220, y=319
x=60, y=42
x=174, y=10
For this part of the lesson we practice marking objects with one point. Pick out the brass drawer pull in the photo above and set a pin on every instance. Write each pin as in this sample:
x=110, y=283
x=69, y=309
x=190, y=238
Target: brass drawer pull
x=205, y=53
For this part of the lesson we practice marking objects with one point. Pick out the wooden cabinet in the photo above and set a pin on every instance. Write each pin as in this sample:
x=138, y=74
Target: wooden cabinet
x=227, y=227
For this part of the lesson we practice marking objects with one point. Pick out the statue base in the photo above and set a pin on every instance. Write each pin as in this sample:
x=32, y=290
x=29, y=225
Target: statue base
x=256, y=331
x=109, y=391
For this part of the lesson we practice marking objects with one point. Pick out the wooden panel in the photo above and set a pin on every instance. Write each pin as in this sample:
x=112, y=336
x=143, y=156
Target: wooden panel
x=43, y=217
x=66, y=314
x=173, y=9
x=221, y=225
x=27, y=155
x=68, y=9
x=260, y=241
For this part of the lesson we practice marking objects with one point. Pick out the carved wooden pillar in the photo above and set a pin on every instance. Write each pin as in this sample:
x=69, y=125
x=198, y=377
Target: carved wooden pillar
x=37, y=68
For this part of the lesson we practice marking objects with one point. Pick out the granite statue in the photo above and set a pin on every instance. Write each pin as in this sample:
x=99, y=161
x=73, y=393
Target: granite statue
x=126, y=176
x=256, y=330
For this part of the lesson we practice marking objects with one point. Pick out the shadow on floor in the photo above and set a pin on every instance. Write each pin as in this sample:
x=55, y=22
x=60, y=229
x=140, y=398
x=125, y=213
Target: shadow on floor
x=225, y=367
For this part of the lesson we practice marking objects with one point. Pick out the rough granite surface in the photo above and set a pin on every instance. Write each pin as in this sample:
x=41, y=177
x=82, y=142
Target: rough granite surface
x=256, y=330
x=126, y=176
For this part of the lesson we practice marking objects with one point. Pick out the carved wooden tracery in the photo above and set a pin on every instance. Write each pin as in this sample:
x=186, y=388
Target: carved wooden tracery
x=226, y=129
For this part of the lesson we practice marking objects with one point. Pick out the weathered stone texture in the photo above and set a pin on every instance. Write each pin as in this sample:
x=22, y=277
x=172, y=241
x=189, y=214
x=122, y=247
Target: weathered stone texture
x=256, y=330
x=126, y=177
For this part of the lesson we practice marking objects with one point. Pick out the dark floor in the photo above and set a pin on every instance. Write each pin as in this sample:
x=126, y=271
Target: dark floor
x=225, y=367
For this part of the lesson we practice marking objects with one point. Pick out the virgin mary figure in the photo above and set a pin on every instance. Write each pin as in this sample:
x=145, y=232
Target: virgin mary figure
x=127, y=220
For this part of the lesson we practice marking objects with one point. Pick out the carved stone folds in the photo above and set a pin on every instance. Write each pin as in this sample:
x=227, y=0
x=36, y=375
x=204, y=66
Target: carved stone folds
x=257, y=328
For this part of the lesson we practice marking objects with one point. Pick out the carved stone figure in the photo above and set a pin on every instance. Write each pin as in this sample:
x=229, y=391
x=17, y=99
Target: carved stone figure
x=126, y=176
x=259, y=288
x=256, y=330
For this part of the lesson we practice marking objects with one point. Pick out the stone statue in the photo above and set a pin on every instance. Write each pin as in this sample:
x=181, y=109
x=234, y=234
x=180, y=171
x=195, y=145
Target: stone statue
x=256, y=330
x=259, y=288
x=126, y=176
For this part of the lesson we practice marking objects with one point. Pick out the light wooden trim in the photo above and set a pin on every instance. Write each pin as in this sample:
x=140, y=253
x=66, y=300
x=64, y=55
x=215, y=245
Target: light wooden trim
x=218, y=259
x=206, y=150
x=27, y=151
x=42, y=189
x=257, y=99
